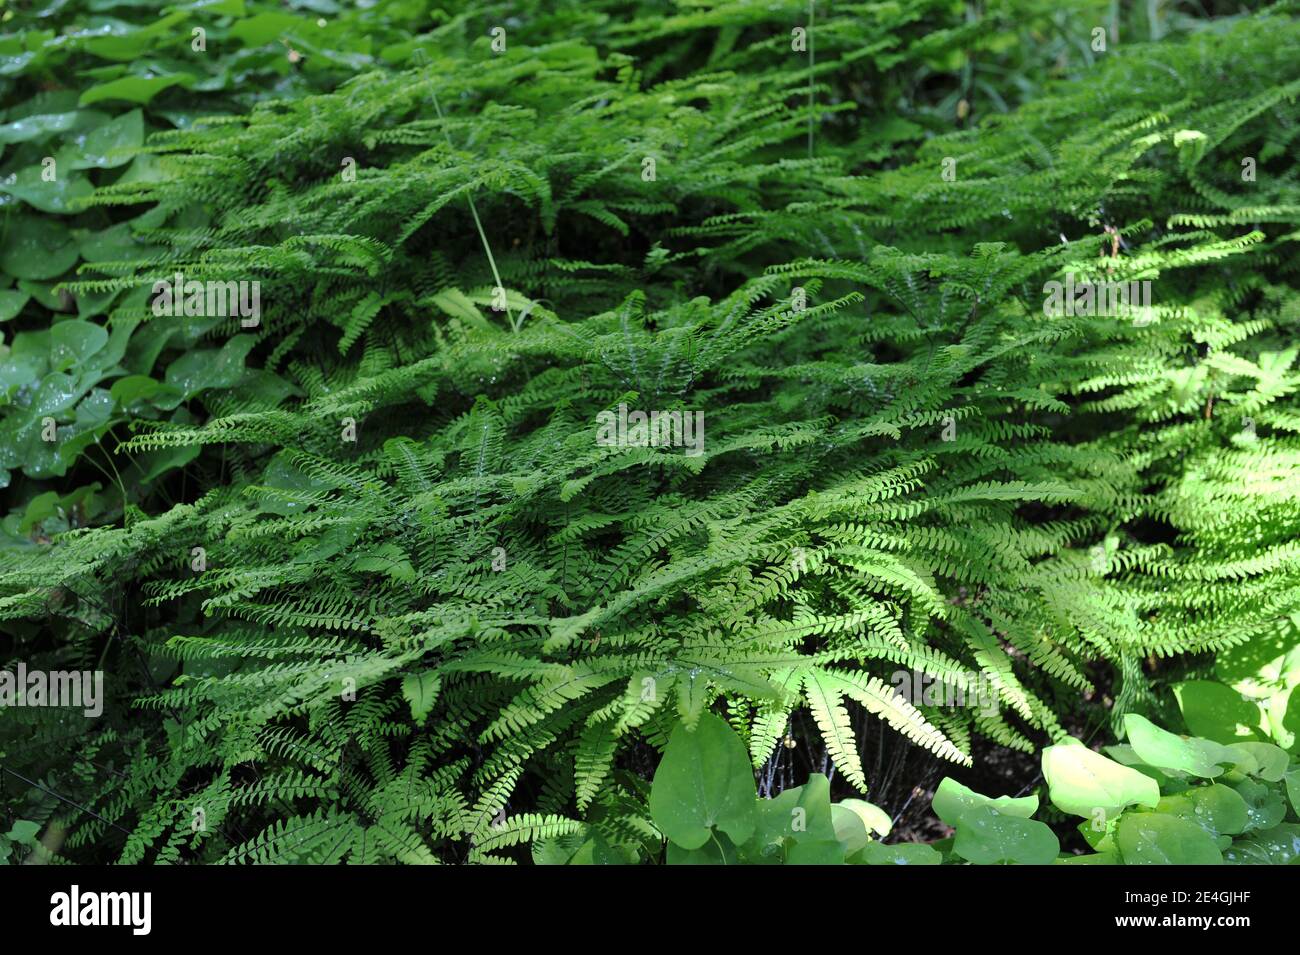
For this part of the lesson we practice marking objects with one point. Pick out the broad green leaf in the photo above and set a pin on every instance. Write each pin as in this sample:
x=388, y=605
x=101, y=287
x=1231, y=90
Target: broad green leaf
x=901, y=853
x=1124, y=754
x=874, y=819
x=703, y=782
x=198, y=370
x=284, y=475
x=1260, y=666
x=55, y=394
x=135, y=388
x=234, y=8
x=1088, y=784
x=1279, y=845
x=109, y=145
x=266, y=28
x=1099, y=833
x=809, y=851
x=43, y=102
x=1265, y=807
x=1293, y=788
x=1268, y=762
x=37, y=127
x=92, y=304
x=115, y=244
x=1218, y=712
x=58, y=195
x=798, y=827
x=152, y=465
x=39, y=509
x=1216, y=808
x=72, y=343
x=1283, y=718
x=127, y=41
x=952, y=799
x=717, y=851
x=597, y=850
x=850, y=831
x=134, y=89
x=986, y=836
x=1091, y=858
x=11, y=303
x=24, y=832
x=43, y=294
x=36, y=248
x=1182, y=754
x=1150, y=838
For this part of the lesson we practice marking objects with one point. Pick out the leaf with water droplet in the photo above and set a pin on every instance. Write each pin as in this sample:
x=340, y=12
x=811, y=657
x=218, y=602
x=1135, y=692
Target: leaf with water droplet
x=58, y=195
x=206, y=368
x=986, y=836
x=11, y=303
x=37, y=127
x=1084, y=783
x=704, y=781
x=1150, y=838
x=1215, y=808
x=1279, y=846
x=1264, y=805
x=110, y=145
x=74, y=342
x=1165, y=750
x=127, y=41
x=36, y=248
x=901, y=853
x=1293, y=788
x=952, y=799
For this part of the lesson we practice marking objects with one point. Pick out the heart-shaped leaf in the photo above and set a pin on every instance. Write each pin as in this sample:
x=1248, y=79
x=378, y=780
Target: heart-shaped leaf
x=902, y=853
x=1218, y=712
x=36, y=248
x=1160, y=748
x=1088, y=784
x=986, y=836
x=952, y=799
x=1150, y=838
x=703, y=782
x=109, y=145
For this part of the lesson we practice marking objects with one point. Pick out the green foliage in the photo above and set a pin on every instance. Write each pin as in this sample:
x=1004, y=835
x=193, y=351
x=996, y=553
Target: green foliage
x=369, y=586
x=1160, y=799
x=1252, y=698
x=1085, y=783
x=84, y=85
x=20, y=839
x=1138, y=808
x=704, y=802
x=700, y=785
